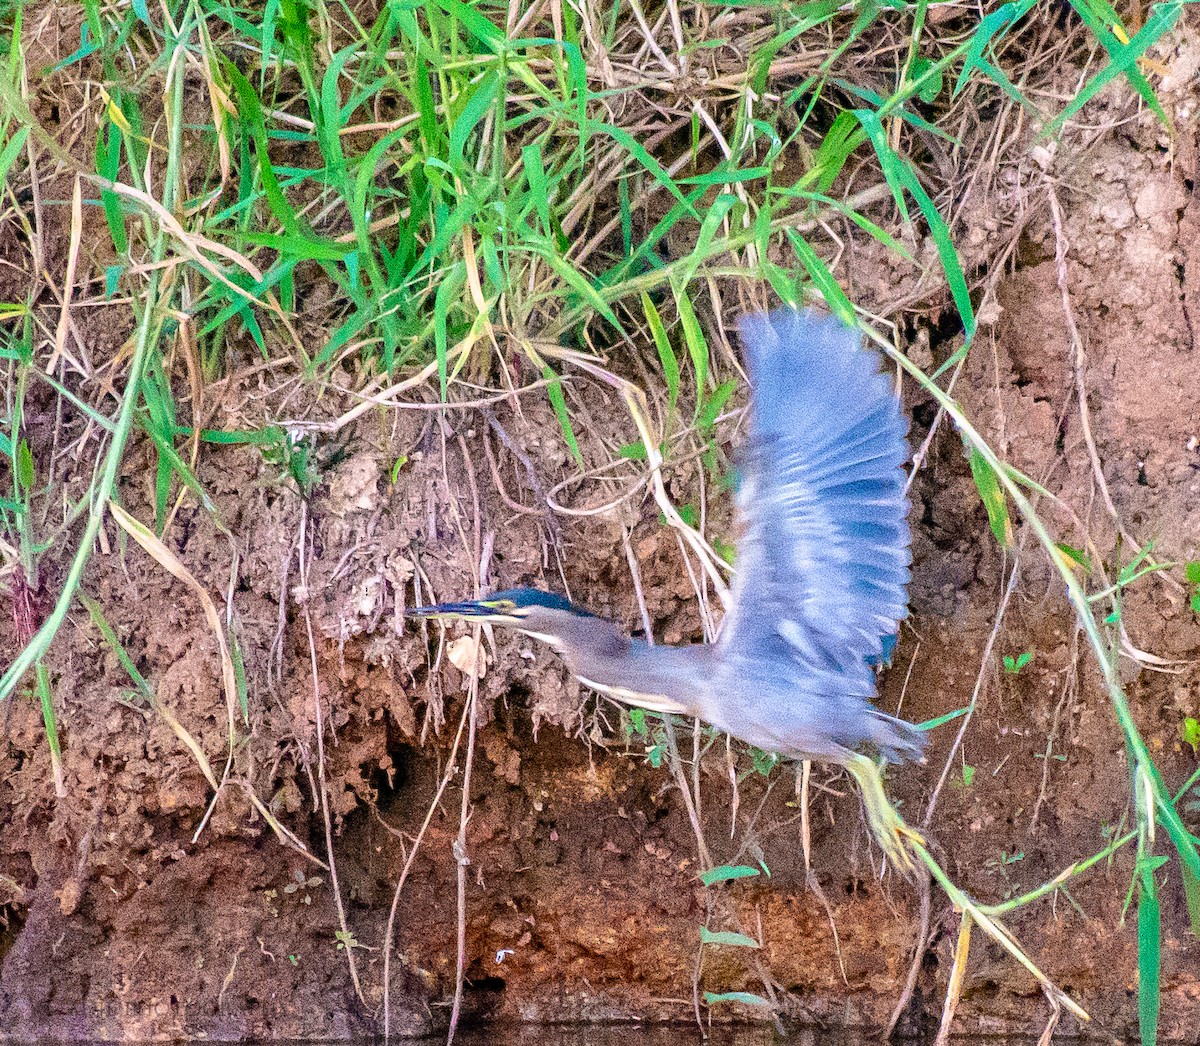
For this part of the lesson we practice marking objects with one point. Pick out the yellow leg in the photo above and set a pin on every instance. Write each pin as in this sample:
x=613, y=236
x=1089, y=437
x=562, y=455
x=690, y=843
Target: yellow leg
x=888, y=827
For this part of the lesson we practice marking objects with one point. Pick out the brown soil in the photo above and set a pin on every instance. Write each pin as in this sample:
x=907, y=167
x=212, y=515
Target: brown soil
x=125, y=911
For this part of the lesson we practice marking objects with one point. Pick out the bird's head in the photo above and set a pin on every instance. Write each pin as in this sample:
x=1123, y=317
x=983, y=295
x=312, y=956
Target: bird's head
x=543, y=615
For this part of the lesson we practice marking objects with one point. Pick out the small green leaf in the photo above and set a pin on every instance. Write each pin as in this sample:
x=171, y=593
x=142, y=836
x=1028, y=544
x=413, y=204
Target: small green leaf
x=713, y=406
x=1077, y=556
x=637, y=721
x=697, y=346
x=633, y=451
x=1123, y=59
x=1192, y=572
x=968, y=775
x=993, y=498
x=11, y=149
x=725, y=872
x=1129, y=572
x=931, y=88
x=823, y=279
x=942, y=720
x=745, y=998
x=900, y=176
x=1013, y=665
x=764, y=762
x=24, y=466
x=736, y=940
x=1190, y=732
x=239, y=675
x=110, y=637
x=1191, y=893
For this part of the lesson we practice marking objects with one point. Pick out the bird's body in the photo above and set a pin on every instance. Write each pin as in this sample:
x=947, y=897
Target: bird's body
x=772, y=711
x=823, y=568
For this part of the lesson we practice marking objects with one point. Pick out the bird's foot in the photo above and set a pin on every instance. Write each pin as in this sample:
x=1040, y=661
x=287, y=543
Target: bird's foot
x=890, y=830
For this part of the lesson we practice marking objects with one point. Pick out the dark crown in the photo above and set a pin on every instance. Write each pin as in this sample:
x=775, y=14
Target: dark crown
x=533, y=597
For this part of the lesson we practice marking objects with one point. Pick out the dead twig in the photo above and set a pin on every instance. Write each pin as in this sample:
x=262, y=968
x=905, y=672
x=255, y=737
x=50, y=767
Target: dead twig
x=347, y=938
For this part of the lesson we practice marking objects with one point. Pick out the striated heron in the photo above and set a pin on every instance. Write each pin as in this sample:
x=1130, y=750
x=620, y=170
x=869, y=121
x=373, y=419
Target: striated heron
x=822, y=573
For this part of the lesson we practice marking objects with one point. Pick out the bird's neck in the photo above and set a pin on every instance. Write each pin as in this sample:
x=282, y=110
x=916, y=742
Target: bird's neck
x=660, y=678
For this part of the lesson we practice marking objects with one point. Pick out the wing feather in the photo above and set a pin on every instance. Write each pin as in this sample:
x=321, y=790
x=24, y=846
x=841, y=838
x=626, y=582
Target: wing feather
x=823, y=564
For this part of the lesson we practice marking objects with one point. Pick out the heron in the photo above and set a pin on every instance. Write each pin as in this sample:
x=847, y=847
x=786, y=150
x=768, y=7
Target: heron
x=822, y=573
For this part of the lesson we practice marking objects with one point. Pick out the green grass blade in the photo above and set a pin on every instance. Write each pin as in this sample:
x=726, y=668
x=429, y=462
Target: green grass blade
x=666, y=353
x=824, y=280
x=239, y=675
x=251, y=119
x=869, y=227
x=1149, y=931
x=1102, y=19
x=46, y=697
x=447, y=292
x=1191, y=893
x=745, y=998
x=559, y=402
x=535, y=174
x=900, y=176
x=108, y=163
x=170, y=456
x=110, y=637
x=1122, y=59
x=11, y=148
x=693, y=337
x=727, y=872
x=638, y=152
x=895, y=110
x=478, y=105
x=708, y=231
x=990, y=28
x=576, y=280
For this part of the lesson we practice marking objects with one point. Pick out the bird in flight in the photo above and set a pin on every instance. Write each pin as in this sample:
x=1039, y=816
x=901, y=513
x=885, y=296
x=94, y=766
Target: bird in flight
x=822, y=574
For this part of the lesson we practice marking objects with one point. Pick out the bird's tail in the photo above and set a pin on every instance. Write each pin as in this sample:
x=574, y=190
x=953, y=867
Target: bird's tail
x=897, y=740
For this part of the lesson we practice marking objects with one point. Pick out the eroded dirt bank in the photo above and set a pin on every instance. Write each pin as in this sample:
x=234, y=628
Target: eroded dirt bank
x=131, y=909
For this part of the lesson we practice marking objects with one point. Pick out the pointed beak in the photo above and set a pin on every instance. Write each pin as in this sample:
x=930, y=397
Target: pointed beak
x=477, y=610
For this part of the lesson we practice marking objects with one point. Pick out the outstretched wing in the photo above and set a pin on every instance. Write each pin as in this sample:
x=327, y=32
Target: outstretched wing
x=823, y=564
